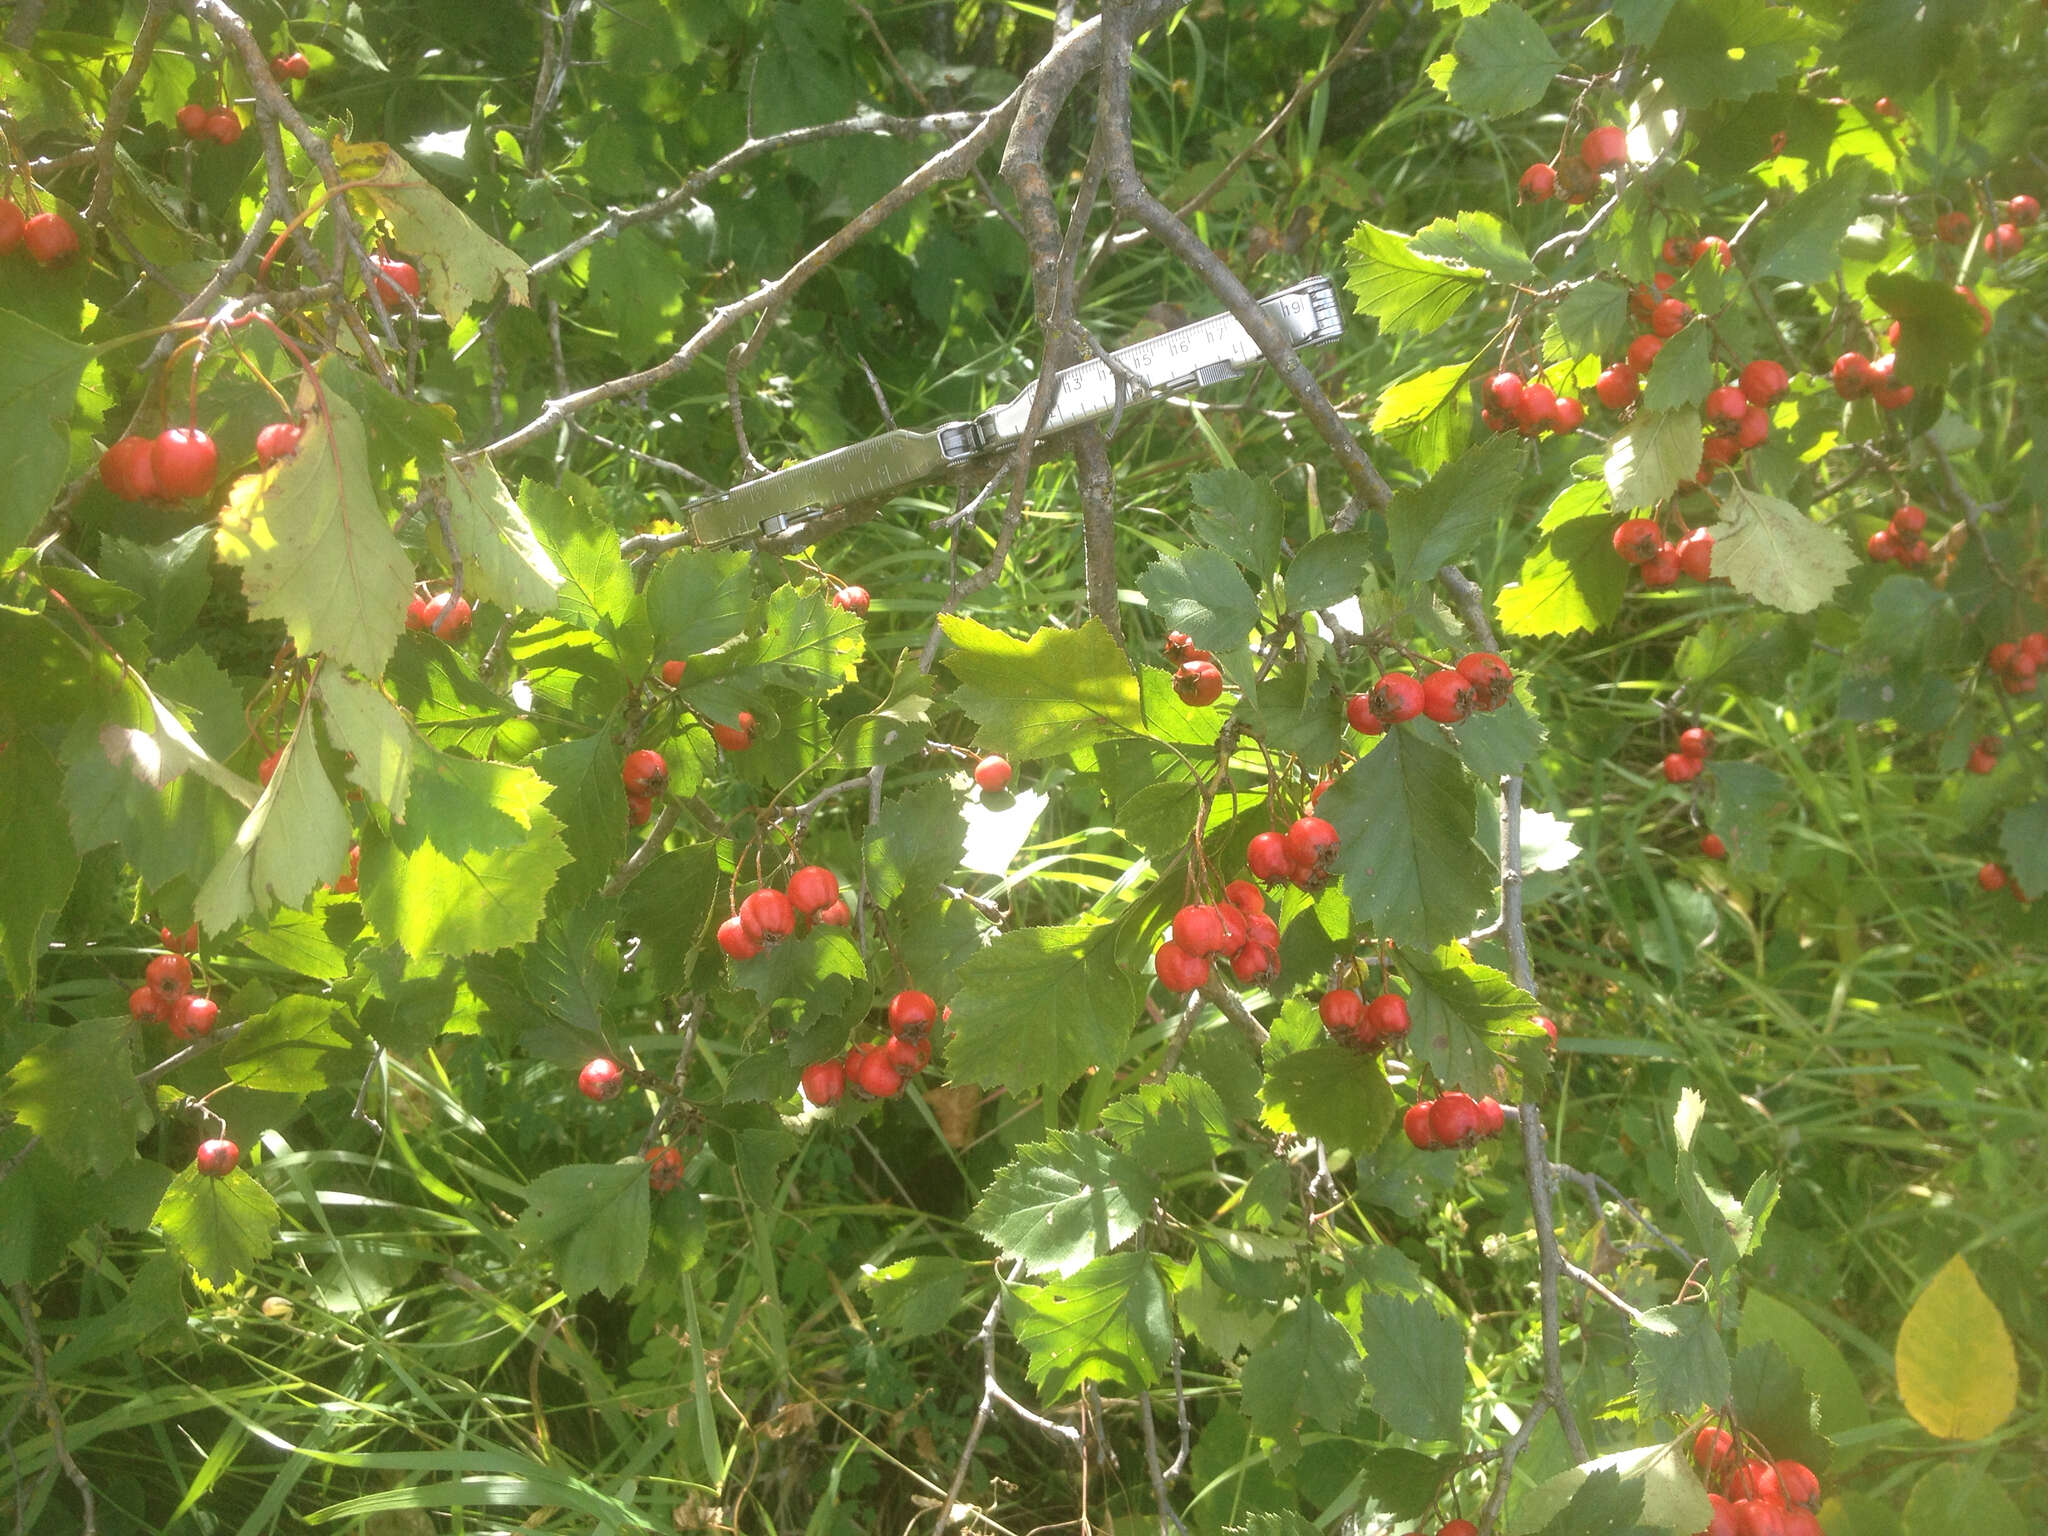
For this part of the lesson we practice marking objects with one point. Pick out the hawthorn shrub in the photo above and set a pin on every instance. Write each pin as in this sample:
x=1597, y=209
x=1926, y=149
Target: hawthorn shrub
x=1436, y=935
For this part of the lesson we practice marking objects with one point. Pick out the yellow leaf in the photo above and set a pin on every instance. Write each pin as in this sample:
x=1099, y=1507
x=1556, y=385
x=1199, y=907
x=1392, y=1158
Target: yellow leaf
x=1957, y=1373
x=458, y=263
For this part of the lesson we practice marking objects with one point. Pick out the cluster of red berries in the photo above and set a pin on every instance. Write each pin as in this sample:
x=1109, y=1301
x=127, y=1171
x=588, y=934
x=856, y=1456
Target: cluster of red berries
x=1368, y=1026
x=603, y=1080
x=442, y=614
x=736, y=737
x=1302, y=855
x=177, y=463
x=1737, y=415
x=1641, y=542
x=879, y=1070
x=291, y=66
x=220, y=124
x=1857, y=376
x=853, y=600
x=397, y=282
x=1451, y=1119
x=1754, y=1497
x=2018, y=663
x=1479, y=681
x=1236, y=929
x=1453, y=1528
x=1695, y=746
x=1984, y=754
x=1528, y=406
x=2004, y=238
x=1195, y=675
x=47, y=236
x=769, y=915
x=645, y=775
x=1900, y=539
x=1600, y=151
x=1996, y=877
x=166, y=994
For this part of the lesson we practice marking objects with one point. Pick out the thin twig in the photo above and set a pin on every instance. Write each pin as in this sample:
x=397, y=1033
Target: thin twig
x=118, y=101
x=644, y=854
x=46, y=1401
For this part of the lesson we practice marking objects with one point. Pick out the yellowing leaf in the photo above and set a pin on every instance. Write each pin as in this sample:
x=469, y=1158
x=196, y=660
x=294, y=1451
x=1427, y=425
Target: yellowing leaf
x=458, y=263
x=313, y=545
x=502, y=561
x=1958, y=1376
x=1771, y=551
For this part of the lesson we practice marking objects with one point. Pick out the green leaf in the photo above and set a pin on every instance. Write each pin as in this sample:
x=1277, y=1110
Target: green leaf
x=1160, y=818
x=1200, y=592
x=1441, y=522
x=1477, y=240
x=916, y=1297
x=1059, y=690
x=1170, y=1127
x=221, y=1227
x=77, y=1091
x=174, y=579
x=1240, y=516
x=1328, y=570
x=1681, y=1364
x=372, y=730
x=1672, y=1498
x=1039, y=1007
x=897, y=727
x=819, y=978
x=1409, y=859
x=1603, y=1505
x=1647, y=462
x=1950, y=1498
x=1572, y=581
x=1748, y=800
x=698, y=599
x=2023, y=837
x=295, y=839
x=915, y=843
x=1772, y=1403
x=39, y=377
x=1064, y=1203
x=1296, y=708
x=292, y=1048
x=458, y=263
x=597, y=593
x=464, y=806
x=592, y=1220
x=1717, y=1221
x=37, y=860
x=1499, y=741
x=1726, y=50
x=1683, y=371
x=1401, y=290
x=502, y=559
x=429, y=903
x=803, y=643
x=1770, y=550
x=299, y=942
x=1801, y=242
x=1331, y=1092
x=1463, y=1017
x=587, y=796
x=1501, y=63
x=1939, y=329
x=1958, y=1375
x=1108, y=1324
x=313, y=545
x=1837, y=1393
x=1593, y=319
x=1415, y=1361
x=1428, y=418
x=1306, y=1372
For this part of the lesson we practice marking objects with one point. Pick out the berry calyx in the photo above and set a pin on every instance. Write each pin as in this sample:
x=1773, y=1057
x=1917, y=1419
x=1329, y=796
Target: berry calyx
x=853, y=600
x=1396, y=697
x=279, y=440
x=1177, y=970
x=182, y=460
x=1198, y=683
x=992, y=775
x=812, y=889
x=1638, y=540
x=768, y=916
x=216, y=1157
x=645, y=773
x=601, y=1079
x=912, y=1013
x=824, y=1083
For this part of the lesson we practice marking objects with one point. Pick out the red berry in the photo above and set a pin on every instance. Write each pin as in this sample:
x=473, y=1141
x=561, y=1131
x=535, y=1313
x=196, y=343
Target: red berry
x=1696, y=555
x=1492, y=679
x=416, y=613
x=853, y=600
x=279, y=440
x=1643, y=351
x=1312, y=841
x=1262, y=930
x=192, y=1017
x=1754, y=1480
x=216, y=1158
x=639, y=810
x=736, y=737
x=2035, y=645
x=2003, y=240
x=1415, y=1125
x=1358, y=712
x=1669, y=317
x=1763, y=381
x=1448, y=696
x=1661, y=569
x=1909, y=519
x=768, y=915
x=824, y=1082
x=1266, y=856
x=1797, y=1482
x=1717, y=453
x=1538, y=184
x=1713, y=1452
x=1712, y=846
x=874, y=1074
x=1754, y=427
x=191, y=119
x=645, y=773
x=1548, y=1026
x=1177, y=647
x=1680, y=769
x=1953, y=227
x=1396, y=697
x=182, y=460
x=223, y=125
x=1726, y=404
x=125, y=469
x=1982, y=761
x=664, y=1168
x=1506, y=390
x=1881, y=546
x=1198, y=683
x=396, y=280
x=12, y=223
x=2022, y=210
x=672, y=673
x=145, y=1002
x=601, y=1079
x=1198, y=930
x=267, y=769
x=838, y=915
x=1990, y=877
x=1177, y=970
x=1454, y=1119
x=1604, y=147
x=1387, y=1015
x=734, y=939
x=908, y=1053
x=812, y=889
x=993, y=775
x=1851, y=376
x=1342, y=1011
x=1618, y=387
x=1696, y=742
x=912, y=1013
x=1255, y=963
x=1246, y=897
x=447, y=615
x=170, y=975
x=1568, y=415
x=1457, y=1528
x=49, y=238
x=1638, y=540
x=1537, y=408
x=1715, y=246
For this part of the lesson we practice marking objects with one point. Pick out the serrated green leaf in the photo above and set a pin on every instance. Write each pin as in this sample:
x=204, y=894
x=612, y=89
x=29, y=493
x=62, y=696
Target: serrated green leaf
x=1398, y=288
x=1683, y=371
x=1200, y=592
x=1727, y=50
x=1501, y=63
x=1603, y=1505
x=295, y=839
x=173, y=578
x=502, y=560
x=1837, y=1393
x=1063, y=1203
x=369, y=728
x=1109, y=1323
x=315, y=551
x=1716, y=1218
x=77, y=1090
x=597, y=592
x=1238, y=515
x=1770, y=550
x=1572, y=581
x=1306, y=1372
x=1672, y=1498
x=1415, y=1361
x=464, y=806
x=586, y=794
x=1442, y=522
x=221, y=1227
x=1680, y=1363
x=916, y=1297
x=1045, y=696
x=1464, y=1017
x=1593, y=319
x=1331, y=1092
x=1329, y=569
x=459, y=264
x=1039, y=1007
x=1647, y=461
x=1477, y=240
x=915, y=843
x=698, y=599
x=1772, y=1403
x=39, y=377
x=1427, y=417
x=37, y=860
x=1171, y=1126
x=429, y=903
x=1499, y=741
x=2023, y=838
x=1939, y=329
x=1408, y=857
x=592, y=1220
x=1801, y=242
x=293, y=1047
